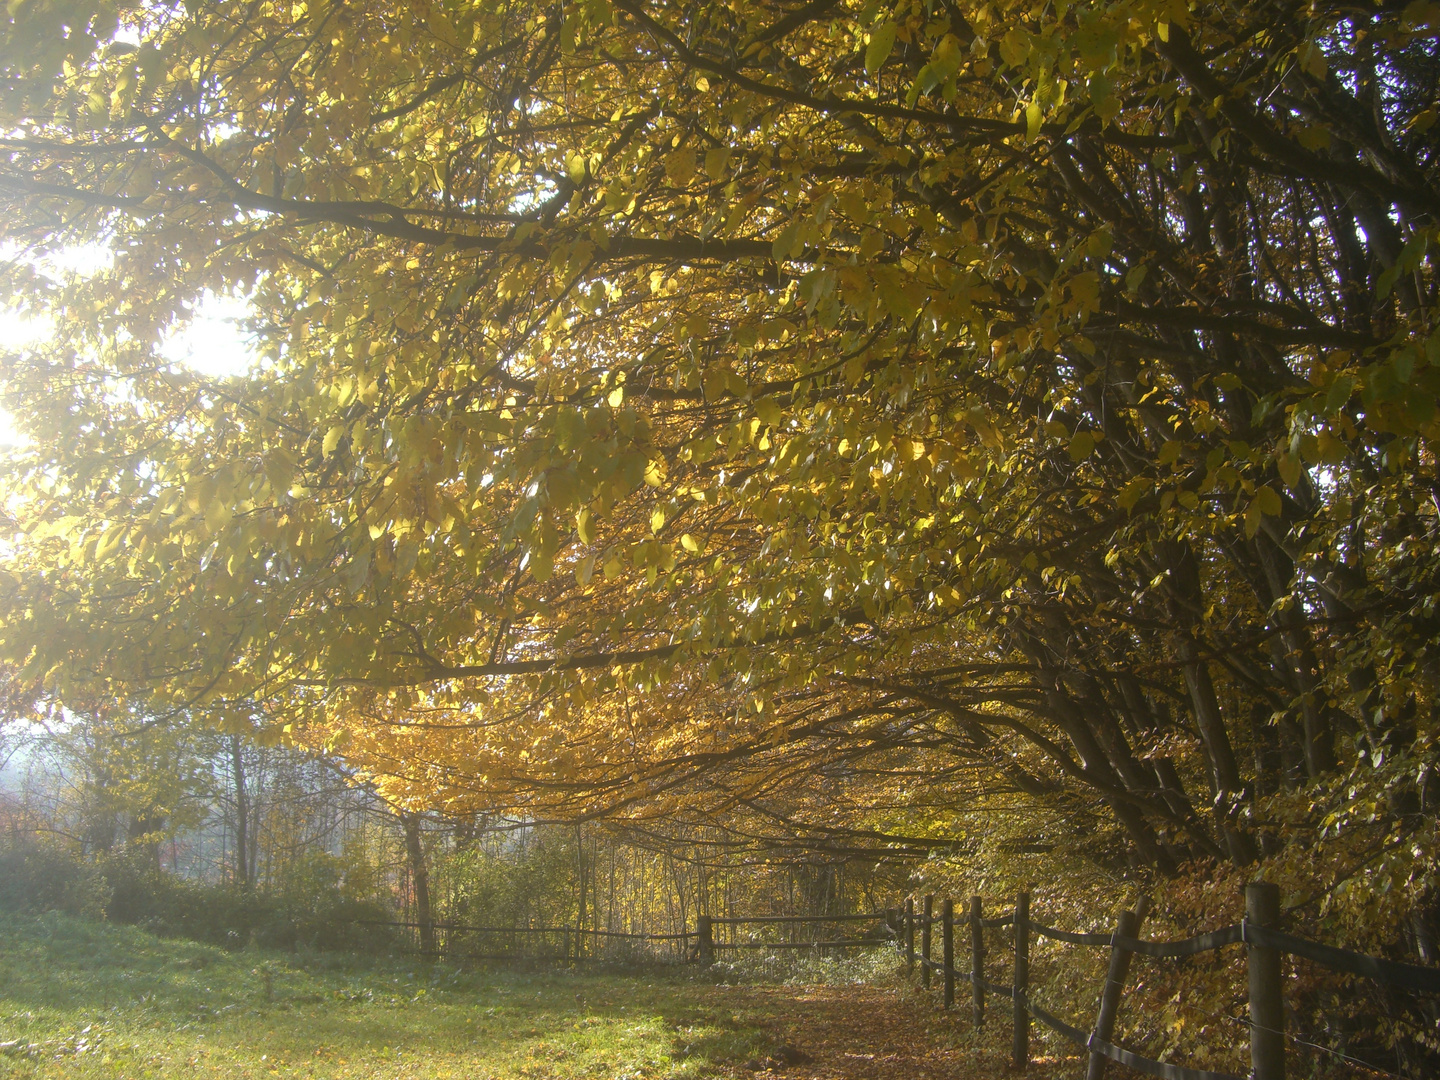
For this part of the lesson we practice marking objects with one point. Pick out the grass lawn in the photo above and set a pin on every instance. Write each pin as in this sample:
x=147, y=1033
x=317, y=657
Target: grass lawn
x=82, y=999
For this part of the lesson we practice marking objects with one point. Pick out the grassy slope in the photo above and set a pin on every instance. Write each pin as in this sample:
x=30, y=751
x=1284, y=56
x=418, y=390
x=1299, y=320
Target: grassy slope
x=95, y=1000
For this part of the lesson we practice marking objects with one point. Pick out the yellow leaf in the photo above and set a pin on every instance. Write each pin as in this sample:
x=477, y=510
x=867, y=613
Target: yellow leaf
x=1085, y=288
x=109, y=543
x=882, y=40
x=1032, y=120
x=717, y=162
x=1130, y=494
x=1288, y=465
x=1268, y=501
x=218, y=514
x=1252, y=520
x=768, y=409
x=575, y=167
x=715, y=383
x=332, y=439
x=680, y=167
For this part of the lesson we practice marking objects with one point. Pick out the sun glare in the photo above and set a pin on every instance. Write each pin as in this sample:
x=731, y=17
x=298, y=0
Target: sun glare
x=213, y=342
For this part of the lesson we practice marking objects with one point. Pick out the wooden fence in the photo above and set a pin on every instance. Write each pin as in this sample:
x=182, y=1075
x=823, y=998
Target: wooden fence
x=1259, y=932
x=539, y=944
x=566, y=944
x=884, y=933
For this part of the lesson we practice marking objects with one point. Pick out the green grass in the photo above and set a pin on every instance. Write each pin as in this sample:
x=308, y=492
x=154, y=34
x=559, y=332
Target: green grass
x=84, y=999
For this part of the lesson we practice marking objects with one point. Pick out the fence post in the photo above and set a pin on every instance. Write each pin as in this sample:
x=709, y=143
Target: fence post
x=947, y=948
x=910, y=936
x=1020, y=1048
x=1127, y=926
x=929, y=910
x=1267, y=1007
x=703, y=929
x=977, y=962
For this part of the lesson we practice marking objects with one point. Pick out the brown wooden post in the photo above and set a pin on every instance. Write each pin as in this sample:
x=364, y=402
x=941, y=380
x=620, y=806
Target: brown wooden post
x=1020, y=1048
x=1127, y=926
x=929, y=910
x=704, y=930
x=1267, y=1005
x=977, y=961
x=910, y=936
x=947, y=948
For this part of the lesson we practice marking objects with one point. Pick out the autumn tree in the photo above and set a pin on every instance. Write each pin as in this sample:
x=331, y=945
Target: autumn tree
x=837, y=416
x=117, y=782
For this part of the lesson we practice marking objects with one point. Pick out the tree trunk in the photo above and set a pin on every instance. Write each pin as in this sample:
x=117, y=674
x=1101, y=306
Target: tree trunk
x=1299, y=660
x=420, y=878
x=1230, y=791
x=242, y=814
x=1098, y=768
x=580, y=907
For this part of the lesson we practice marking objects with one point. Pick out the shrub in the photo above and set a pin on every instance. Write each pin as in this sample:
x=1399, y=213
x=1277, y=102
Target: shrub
x=319, y=909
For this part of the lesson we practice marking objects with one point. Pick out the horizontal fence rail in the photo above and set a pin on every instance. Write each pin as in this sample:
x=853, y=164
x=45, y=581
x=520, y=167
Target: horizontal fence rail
x=839, y=943
x=739, y=920
x=541, y=944
x=564, y=941
x=1264, y=942
x=528, y=931
x=1391, y=972
x=888, y=926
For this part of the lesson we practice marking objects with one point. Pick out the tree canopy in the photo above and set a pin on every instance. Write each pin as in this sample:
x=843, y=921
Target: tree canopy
x=848, y=418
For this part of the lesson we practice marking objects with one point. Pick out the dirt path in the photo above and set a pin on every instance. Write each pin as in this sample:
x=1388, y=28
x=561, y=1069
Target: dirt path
x=865, y=1033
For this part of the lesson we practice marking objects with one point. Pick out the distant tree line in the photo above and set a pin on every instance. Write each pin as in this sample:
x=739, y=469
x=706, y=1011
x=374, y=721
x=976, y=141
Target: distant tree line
x=123, y=816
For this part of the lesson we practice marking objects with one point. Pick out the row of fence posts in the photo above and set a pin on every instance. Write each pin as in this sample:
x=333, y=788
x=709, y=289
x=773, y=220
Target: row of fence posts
x=1267, y=1013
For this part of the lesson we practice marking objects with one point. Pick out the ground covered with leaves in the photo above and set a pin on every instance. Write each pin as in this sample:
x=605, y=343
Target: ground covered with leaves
x=85, y=999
